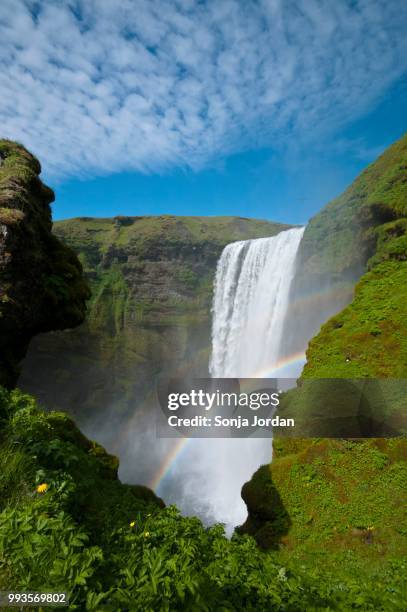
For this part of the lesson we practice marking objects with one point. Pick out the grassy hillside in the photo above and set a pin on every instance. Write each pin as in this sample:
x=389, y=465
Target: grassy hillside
x=142, y=234
x=376, y=197
x=368, y=338
x=339, y=502
x=363, y=229
x=336, y=506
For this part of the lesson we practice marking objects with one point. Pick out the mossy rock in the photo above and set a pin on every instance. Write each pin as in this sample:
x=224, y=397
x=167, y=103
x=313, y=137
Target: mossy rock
x=41, y=283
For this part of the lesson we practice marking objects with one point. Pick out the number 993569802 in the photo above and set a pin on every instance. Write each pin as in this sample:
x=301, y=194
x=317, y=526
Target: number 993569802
x=33, y=599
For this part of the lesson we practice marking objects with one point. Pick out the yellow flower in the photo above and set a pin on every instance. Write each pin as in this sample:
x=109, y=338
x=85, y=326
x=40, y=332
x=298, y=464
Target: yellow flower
x=147, y=534
x=42, y=487
x=132, y=523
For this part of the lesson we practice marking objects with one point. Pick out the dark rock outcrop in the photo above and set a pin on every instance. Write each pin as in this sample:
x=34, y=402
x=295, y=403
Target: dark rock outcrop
x=268, y=520
x=42, y=288
x=41, y=282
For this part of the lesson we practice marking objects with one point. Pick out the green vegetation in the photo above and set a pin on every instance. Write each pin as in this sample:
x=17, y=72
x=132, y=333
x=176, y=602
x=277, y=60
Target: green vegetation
x=368, y=338
x=151, y=280
x=67, y=523
x=343, y=497
x=147, y=236
x=335, y=502
x=343, y=235
x=327, y=514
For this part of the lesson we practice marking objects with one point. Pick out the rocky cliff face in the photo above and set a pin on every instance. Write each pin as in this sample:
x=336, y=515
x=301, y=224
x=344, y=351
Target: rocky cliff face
x=151, y=280
x=42, y=288
x=41, y=283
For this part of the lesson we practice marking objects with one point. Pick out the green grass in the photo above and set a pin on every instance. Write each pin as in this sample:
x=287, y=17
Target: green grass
x=330, y=503
x=368, y=338
x=113, y=547
x=341, y=511
x=142, y=233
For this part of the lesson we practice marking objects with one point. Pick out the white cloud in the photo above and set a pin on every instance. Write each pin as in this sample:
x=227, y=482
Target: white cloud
x=98, y=86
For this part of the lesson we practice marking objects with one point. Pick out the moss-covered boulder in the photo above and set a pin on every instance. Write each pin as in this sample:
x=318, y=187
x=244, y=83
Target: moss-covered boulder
x=41, y=282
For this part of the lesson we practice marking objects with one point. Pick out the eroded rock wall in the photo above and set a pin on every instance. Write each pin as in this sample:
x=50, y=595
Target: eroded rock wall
x=41, y=282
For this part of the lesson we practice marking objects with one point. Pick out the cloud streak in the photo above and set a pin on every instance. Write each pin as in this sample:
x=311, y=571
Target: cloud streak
x=99, y=86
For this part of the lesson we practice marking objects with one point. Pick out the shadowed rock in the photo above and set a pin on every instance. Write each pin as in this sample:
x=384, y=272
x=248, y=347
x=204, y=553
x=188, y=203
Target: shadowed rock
x=268, y=520
x=41, y=282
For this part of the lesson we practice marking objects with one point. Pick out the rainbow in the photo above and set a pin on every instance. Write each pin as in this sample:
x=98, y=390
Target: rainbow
x=169, y=460
x=340, y=295
x=297, y=359
x=176, y=451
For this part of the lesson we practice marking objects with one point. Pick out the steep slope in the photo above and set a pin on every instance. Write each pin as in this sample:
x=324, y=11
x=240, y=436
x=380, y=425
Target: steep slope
x=377, y=196
x=368, y=338
x=151, y=280
x=41, y=283
x=367, y=222
x=44, y=457
x=341, y=495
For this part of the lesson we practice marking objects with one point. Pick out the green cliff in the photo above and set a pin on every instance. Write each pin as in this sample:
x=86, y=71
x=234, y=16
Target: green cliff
x=368, y=338
x=363, y=231
x=151, y=281
x=339, y=502
x=377, y=197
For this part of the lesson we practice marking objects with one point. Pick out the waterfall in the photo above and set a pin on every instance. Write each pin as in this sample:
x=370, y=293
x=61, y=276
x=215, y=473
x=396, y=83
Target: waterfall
x=250, y=302
x=252, y=287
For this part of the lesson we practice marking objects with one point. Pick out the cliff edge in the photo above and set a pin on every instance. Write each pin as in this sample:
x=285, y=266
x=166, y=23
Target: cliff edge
x=338, y=494
x=41, y=282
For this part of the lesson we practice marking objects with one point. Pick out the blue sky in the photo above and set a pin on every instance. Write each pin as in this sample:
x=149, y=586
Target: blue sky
x=262, y=108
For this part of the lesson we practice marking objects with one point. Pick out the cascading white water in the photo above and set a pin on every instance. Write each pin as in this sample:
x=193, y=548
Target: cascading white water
x=250, y=302
x=251, y=297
